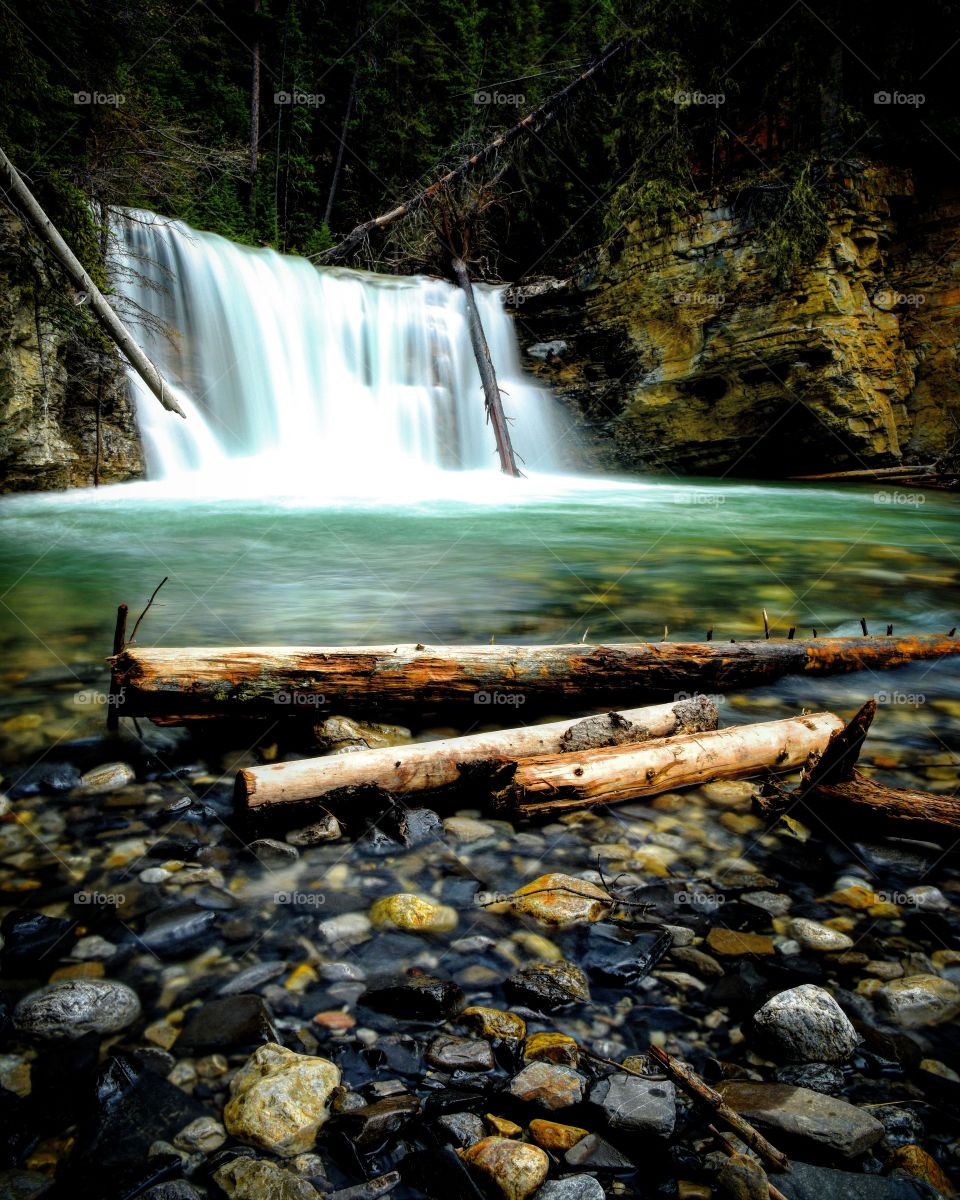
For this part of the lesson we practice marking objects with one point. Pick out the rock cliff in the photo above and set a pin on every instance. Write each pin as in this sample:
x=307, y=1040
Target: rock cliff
x=679, y=352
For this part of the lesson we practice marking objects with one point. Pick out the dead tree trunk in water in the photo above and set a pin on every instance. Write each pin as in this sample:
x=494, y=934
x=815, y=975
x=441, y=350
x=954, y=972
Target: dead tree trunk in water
x=109, y=321
x=488, y=376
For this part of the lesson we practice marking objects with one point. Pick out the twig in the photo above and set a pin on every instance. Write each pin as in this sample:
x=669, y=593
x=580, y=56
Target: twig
x=610, y=1062
x=694, y=1086
x=133, y=636
x=729, y=1148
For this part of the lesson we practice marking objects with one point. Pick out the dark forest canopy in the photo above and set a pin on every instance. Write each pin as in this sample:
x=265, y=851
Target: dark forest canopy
x=148, y=103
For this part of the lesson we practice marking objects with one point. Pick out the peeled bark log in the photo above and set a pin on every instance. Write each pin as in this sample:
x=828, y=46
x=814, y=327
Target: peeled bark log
x=555, y=783
x=171, y=685
x=109, y=321
x=430, y=765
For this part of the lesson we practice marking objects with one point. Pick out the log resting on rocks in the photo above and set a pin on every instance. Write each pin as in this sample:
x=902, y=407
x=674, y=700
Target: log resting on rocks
x=431, y=765
x=924, y=814
x=555, y=782
x=171, y=685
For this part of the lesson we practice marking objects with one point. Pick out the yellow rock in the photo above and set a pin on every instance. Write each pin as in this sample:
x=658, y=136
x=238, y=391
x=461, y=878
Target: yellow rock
x=300, y=978
x=855, y=897
x=654, y=859
x=161, y=1034
x=561, y=900
x=538, y=947
x=555, y=1137
x=884, y=909
x=731, y=942
x=84, y=970
x=280, y=1099
x=945, y=958
x=515, y=1169
x=502, y=1127
x=413, y=914
x=495, y=1023
x=551, y=1047
x=916, y=1162
x=740, y=822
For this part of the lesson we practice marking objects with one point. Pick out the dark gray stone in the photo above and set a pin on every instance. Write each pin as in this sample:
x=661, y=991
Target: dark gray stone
x=801, y=1181
x=805, y=1024
x=548, y=987
x=449, y=1053
x=71, y=1008
x=643, y=1106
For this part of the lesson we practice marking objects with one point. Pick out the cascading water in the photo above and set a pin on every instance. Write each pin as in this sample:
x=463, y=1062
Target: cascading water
x=314, y=376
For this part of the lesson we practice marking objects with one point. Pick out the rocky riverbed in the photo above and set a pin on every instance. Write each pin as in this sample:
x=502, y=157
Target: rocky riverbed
x=417, y=1002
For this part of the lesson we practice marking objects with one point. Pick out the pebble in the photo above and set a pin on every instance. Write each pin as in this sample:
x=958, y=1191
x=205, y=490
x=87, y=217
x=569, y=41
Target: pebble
x=548, y=987
x=595, y=1153
x=464, y=1128
x=918, y=1000
x=916, y=1162
x=813, y=936
x=466, y=830
x=327, y=829
x=279, y=1099
x=226, y=1023
x=561, y=900
x=775, y=903
x=416, y=997
x=449, y=1053
x=805, y=1024
x=93, y=948
x=204, y=1134
x=516, y=1169
x=257, y=1179
x=347, y=928
x=732, y=943
x=74, y=1007
x=551, y=1047
x=548, y=1085
x=818, y=1077
x=817, y=1121
x=413, y=914
x=927, y=899
x=555, y=1137
x=495, y=1023
x=572, y=1187
x=269, y=850
x=636, y=1105
x=743, y=1178
x=108, y=778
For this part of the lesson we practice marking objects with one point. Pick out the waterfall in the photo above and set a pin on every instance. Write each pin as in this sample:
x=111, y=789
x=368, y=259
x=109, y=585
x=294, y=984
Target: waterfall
x=305, y=376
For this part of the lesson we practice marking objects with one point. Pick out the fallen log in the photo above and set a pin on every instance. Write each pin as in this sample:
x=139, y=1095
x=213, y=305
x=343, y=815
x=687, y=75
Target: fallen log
x=863, y=802
x=427, y=766
x=171, y=685
x=555, y=783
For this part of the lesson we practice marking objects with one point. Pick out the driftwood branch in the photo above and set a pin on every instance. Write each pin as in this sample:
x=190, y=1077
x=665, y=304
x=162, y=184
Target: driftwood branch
x=556, y=783
x=428, y=766
x=534, y=122
x=171, y=685
x=695, y=1087
x=863, y=800
x=109, y=321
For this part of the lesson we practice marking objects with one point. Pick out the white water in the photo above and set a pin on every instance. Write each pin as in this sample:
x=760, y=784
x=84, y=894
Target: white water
x=299, y=380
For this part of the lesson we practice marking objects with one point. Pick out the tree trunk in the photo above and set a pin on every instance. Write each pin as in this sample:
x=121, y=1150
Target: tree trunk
x=268, y=681
x=430, y=765
x=534, y=122
x=254, y=113
x=556, y=783
x=870, y=805
x=109, y=321
x=488, y=376
x=328, y=213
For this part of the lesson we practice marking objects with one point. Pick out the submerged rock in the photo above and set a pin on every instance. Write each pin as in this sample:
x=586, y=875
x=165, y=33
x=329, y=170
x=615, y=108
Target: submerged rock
x=643, y=1106
x=418, y=997
x=108, y=778
x=413, y=914
x=571, y=1187
x=820, y=1123
x=918, y=1000
x=257, y=1179
x=818, y=1077
x=495, y=1023
x=805, y=1024
x=516, y=1169
x=449, y=1053
x=226, y=1023
x=71, y=1008
x=548, y=987
x=556, y=1138
x=27, y=938
x=743, y=1178
x=548, y=1085
x=327, y=829
x=802, y=1181
x=821, y=938
x=561, y=900
x=280, y=1099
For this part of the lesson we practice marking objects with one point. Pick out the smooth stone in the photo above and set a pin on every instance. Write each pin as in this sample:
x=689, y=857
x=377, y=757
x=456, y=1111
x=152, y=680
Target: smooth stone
x=495, y=1023
x=595, y=1153
x=419, y=827
x=346, y=927
x=269, y=850
x=573, y=1187
x=802, y=1181
x=918, y=1000
x=108, y=778
x=819, y=1122
x=257, y=1179
x=74, y=1007
x=467, y=829
x=279, y=1099
x=448, y=1053
x=812, y=935
x=336, y=730
x=557, y=1138
x=818, y=1077
x=927, y=899
x=916, y=1162
x=561, y=900
x=462, y=1128
x=27, y=939
x=412, y=914
x=743, y=1178
x=225, y=1024
x=616, y=957
x=250, y=978
x=551, y=1047
x=733, y=943
x=515, y=1169
x=644, y=1106
x=421, y=997
x=548, y=987
x=93, y=948
x=702, y=964
x=370, y=1125
x=327, y=829
x=806, y=1024
x=775, y=903
x=175, y=932
x=49, y=778
x=548, y=1085
x=204, y=1134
